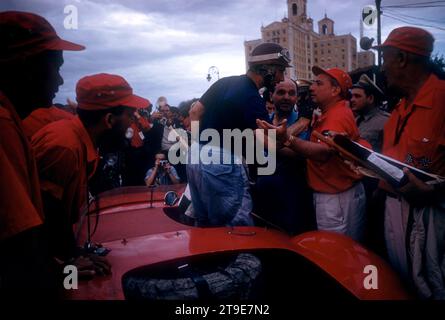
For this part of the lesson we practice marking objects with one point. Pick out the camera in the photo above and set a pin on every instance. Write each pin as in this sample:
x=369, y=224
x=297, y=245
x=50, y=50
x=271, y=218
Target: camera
x=144, y=113
x=163, y=162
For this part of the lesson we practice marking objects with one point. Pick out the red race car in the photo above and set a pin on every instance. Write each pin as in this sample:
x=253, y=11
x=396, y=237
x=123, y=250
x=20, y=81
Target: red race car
x=156, y=254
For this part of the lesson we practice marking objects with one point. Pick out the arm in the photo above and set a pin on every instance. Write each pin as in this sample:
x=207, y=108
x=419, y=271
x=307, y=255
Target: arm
x=287, y=152
x=63, y=243
x=310, y=150
x=298, y=127
x=419, y=193
x=143, y=124
x=172, y=174
x=59, y=227
x=151, y=179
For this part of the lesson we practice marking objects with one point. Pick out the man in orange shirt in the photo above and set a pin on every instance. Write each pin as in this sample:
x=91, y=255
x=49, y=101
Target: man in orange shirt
x=415, y=135
x=339, y=196
x=30, y=57
x=67, y=153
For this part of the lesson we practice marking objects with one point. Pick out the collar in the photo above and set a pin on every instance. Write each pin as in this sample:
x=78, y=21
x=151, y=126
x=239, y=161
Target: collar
x=424, y=97
x=291, y=118
x=338, y=104
x=371, y=113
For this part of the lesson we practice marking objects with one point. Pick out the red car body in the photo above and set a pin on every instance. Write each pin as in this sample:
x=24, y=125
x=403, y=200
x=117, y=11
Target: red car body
x=143, y=237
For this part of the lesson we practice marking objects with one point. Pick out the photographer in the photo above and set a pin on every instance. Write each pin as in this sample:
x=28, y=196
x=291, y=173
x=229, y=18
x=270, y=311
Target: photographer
x=163, y=173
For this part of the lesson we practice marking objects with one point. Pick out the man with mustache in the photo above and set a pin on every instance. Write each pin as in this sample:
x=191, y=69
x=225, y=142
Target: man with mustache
x=284, y=198
x=67, y=154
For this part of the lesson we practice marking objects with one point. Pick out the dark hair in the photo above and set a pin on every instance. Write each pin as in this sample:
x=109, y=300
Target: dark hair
x=185, y=106
x=174, y=110
x=164, y=152
x=91, y=118
x=260, y=69
x=370, y=91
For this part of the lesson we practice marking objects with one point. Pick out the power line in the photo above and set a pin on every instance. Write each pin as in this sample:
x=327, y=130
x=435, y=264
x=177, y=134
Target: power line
x=416, y=5
x=411, y=22
x=392, y=11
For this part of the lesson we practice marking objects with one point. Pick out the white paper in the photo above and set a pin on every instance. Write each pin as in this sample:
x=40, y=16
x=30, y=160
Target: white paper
x=391, y=170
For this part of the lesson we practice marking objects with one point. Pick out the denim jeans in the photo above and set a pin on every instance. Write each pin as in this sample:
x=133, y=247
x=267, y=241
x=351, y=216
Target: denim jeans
x=220, y=192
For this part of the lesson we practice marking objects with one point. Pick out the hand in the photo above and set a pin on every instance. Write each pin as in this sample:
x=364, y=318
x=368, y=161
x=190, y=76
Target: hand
x=71, y=103
x=415, y=188
x=157, y=163
x=168, y=167
x=90, y=265
x=84, y=266
x=156, y=115
x=281, y=129
x=332, y=134
x=359, y=170
x=101, y=264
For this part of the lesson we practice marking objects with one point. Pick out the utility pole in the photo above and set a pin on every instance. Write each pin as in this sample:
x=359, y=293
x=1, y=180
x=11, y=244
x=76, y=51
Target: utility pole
x=379, y=30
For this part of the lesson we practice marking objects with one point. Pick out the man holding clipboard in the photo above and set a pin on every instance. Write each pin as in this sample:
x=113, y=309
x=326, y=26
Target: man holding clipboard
x=415, y=135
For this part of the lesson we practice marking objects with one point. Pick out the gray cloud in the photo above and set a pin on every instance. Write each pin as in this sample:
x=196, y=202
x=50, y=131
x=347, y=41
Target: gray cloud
x=166, y=47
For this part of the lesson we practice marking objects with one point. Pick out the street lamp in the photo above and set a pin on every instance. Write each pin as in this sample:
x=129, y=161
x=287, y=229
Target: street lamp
x=212, y=72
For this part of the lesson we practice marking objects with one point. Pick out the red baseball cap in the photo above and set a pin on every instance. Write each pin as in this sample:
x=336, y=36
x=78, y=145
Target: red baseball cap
x=411, y=39
x=343, y=79
x=103, y=91
x=24, y=34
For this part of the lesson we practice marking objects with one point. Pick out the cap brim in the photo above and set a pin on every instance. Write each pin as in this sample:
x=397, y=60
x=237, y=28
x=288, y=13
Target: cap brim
x=135, y=101
x=60, y=44
x=304, y=82
x=317, y=70
x=371, y=83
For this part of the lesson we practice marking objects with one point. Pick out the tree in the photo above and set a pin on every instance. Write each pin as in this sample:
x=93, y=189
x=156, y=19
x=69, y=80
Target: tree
x=438, y=65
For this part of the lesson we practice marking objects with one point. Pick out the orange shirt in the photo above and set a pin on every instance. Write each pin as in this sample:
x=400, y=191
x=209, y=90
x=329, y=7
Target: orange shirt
x=66, y=158
x=333, y=176
x=415, y=133
x=41, y=117
x=20, y=201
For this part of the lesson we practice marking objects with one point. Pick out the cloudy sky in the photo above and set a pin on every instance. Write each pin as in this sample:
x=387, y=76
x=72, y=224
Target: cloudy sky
x=165, y=47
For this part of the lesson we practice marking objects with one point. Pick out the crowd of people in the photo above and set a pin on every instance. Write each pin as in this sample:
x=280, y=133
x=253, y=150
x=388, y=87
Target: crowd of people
x=55, y=158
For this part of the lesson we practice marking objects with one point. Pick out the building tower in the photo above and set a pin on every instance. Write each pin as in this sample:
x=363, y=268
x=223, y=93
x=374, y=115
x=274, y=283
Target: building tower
x=296, y=10
x=326, y=26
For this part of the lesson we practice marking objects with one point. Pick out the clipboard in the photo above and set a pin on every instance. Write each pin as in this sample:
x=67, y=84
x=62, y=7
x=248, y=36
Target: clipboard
x=384, y=167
